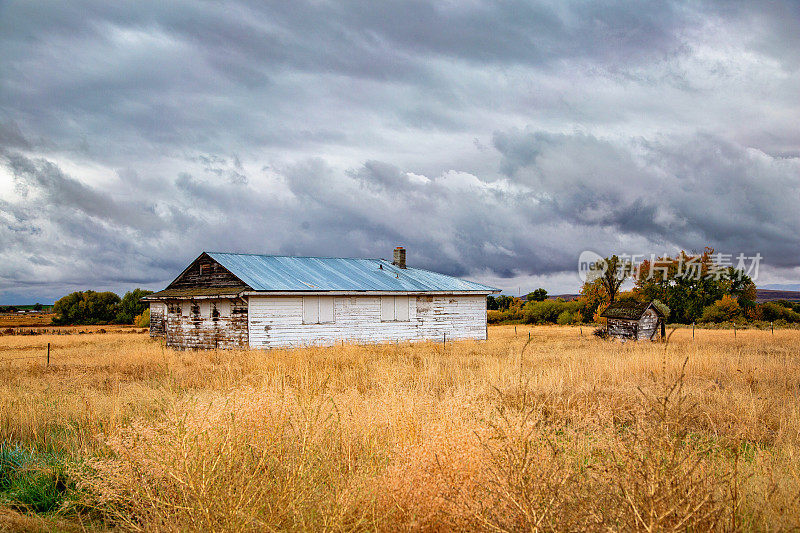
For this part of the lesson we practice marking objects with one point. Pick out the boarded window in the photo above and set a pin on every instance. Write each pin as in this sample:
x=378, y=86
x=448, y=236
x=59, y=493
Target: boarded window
x=205, y=309
x=394, y=308
x=310, y=309
x=401, y=308
x=325, y=309
x=186, y=308
x=387, y=308
x=317, y=309
x=224, y=308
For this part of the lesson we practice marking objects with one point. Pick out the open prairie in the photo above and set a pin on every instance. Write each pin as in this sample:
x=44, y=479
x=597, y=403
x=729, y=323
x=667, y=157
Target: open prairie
x=562, y=432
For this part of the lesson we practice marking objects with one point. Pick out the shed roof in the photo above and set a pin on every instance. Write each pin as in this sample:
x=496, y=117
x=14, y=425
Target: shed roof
x=628, y=310
x=291, y=273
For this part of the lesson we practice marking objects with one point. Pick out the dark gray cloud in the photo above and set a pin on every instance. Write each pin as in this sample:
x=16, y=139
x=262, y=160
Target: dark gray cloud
x=494, y=140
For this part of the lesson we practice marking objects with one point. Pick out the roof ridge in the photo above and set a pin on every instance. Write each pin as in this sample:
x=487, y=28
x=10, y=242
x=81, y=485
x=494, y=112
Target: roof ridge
x=301, y=256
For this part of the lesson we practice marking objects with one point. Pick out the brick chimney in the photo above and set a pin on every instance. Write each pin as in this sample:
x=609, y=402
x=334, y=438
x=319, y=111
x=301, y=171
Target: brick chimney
x=399, y=257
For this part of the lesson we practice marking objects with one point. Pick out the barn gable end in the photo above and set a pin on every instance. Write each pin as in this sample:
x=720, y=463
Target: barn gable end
x=205, y=272
x=201, y=308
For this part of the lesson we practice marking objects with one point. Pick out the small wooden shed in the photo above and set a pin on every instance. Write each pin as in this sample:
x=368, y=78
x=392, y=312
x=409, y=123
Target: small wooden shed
x=633, y=320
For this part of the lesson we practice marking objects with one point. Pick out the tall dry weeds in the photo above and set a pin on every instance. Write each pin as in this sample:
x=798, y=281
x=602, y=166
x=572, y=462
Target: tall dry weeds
x=573, y=433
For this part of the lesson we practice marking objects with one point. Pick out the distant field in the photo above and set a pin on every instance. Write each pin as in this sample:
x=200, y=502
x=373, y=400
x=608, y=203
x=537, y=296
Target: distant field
x=17, y=320
x=768, y=295
x=565, y=432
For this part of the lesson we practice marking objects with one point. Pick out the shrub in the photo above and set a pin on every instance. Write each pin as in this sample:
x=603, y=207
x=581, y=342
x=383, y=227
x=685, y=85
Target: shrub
x=37, y=482
x=549, y=311
x=725, y=309
x=564, y=318
x=772, y=311
x=143, y=320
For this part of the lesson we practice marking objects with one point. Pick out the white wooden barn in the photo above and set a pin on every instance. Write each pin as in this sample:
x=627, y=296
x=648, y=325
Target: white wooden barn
x=226, y=300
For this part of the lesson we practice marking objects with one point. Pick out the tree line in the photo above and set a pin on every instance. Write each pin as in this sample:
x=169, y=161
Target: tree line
x=686, y=287
x=91, y=307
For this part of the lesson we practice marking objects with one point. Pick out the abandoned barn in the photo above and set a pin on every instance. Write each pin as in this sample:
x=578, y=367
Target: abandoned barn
x=633, y=320
x=228, y=300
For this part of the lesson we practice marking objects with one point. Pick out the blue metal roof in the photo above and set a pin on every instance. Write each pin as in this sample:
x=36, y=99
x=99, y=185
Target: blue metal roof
x=288, y=273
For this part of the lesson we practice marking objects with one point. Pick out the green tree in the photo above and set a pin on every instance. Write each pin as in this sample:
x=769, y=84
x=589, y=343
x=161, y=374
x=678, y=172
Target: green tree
x=131, y=306
x=539, y=295
x=491, y=303
x=504, y=302
x=688, y=284
x=614, y=275
x=86, y=307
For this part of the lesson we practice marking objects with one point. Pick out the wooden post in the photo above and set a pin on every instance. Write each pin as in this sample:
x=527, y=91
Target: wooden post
x=772, y=327
x=581, y=331
x=444, y=339
x=734, y=330
x=692, y=330
x=48, y=354
x=529, y=335
x=515, y=330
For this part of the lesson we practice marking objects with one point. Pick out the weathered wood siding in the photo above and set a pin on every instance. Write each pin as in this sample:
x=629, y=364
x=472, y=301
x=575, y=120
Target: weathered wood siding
x=205, y=272
x=278, y=321
x=645, y=328
x=157, y=312
x=648, y=325
x=206, y=324
x=618, y=327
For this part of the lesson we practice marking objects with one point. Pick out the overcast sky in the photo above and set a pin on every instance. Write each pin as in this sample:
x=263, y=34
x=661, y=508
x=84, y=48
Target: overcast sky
x=495, y=141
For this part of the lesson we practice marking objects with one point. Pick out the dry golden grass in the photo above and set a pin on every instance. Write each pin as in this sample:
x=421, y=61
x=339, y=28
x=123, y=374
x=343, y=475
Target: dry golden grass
x=565, y=432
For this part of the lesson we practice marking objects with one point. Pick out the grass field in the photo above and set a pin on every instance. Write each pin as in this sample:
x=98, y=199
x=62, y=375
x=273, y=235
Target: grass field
x=565, y=432
x=27, y=320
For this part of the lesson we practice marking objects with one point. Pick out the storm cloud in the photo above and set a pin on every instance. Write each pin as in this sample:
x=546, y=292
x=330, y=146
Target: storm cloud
x=495, y=141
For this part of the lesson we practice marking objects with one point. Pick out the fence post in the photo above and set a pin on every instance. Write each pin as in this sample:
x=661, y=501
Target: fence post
x=692, y=330
x=515, y=330
x=734, y=330
x=48, y=354
x=529, y=335
x=772, y=327
x=581, y=331
x=444, y=339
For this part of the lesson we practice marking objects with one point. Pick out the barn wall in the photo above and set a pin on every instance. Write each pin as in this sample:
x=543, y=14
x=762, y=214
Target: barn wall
x=278, y=321
x=194, y=324
x=157, y=312
x=648, y=325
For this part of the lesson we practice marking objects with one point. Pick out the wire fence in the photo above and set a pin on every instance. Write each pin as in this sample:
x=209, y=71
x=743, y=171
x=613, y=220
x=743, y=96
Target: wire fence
x=46, y=357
